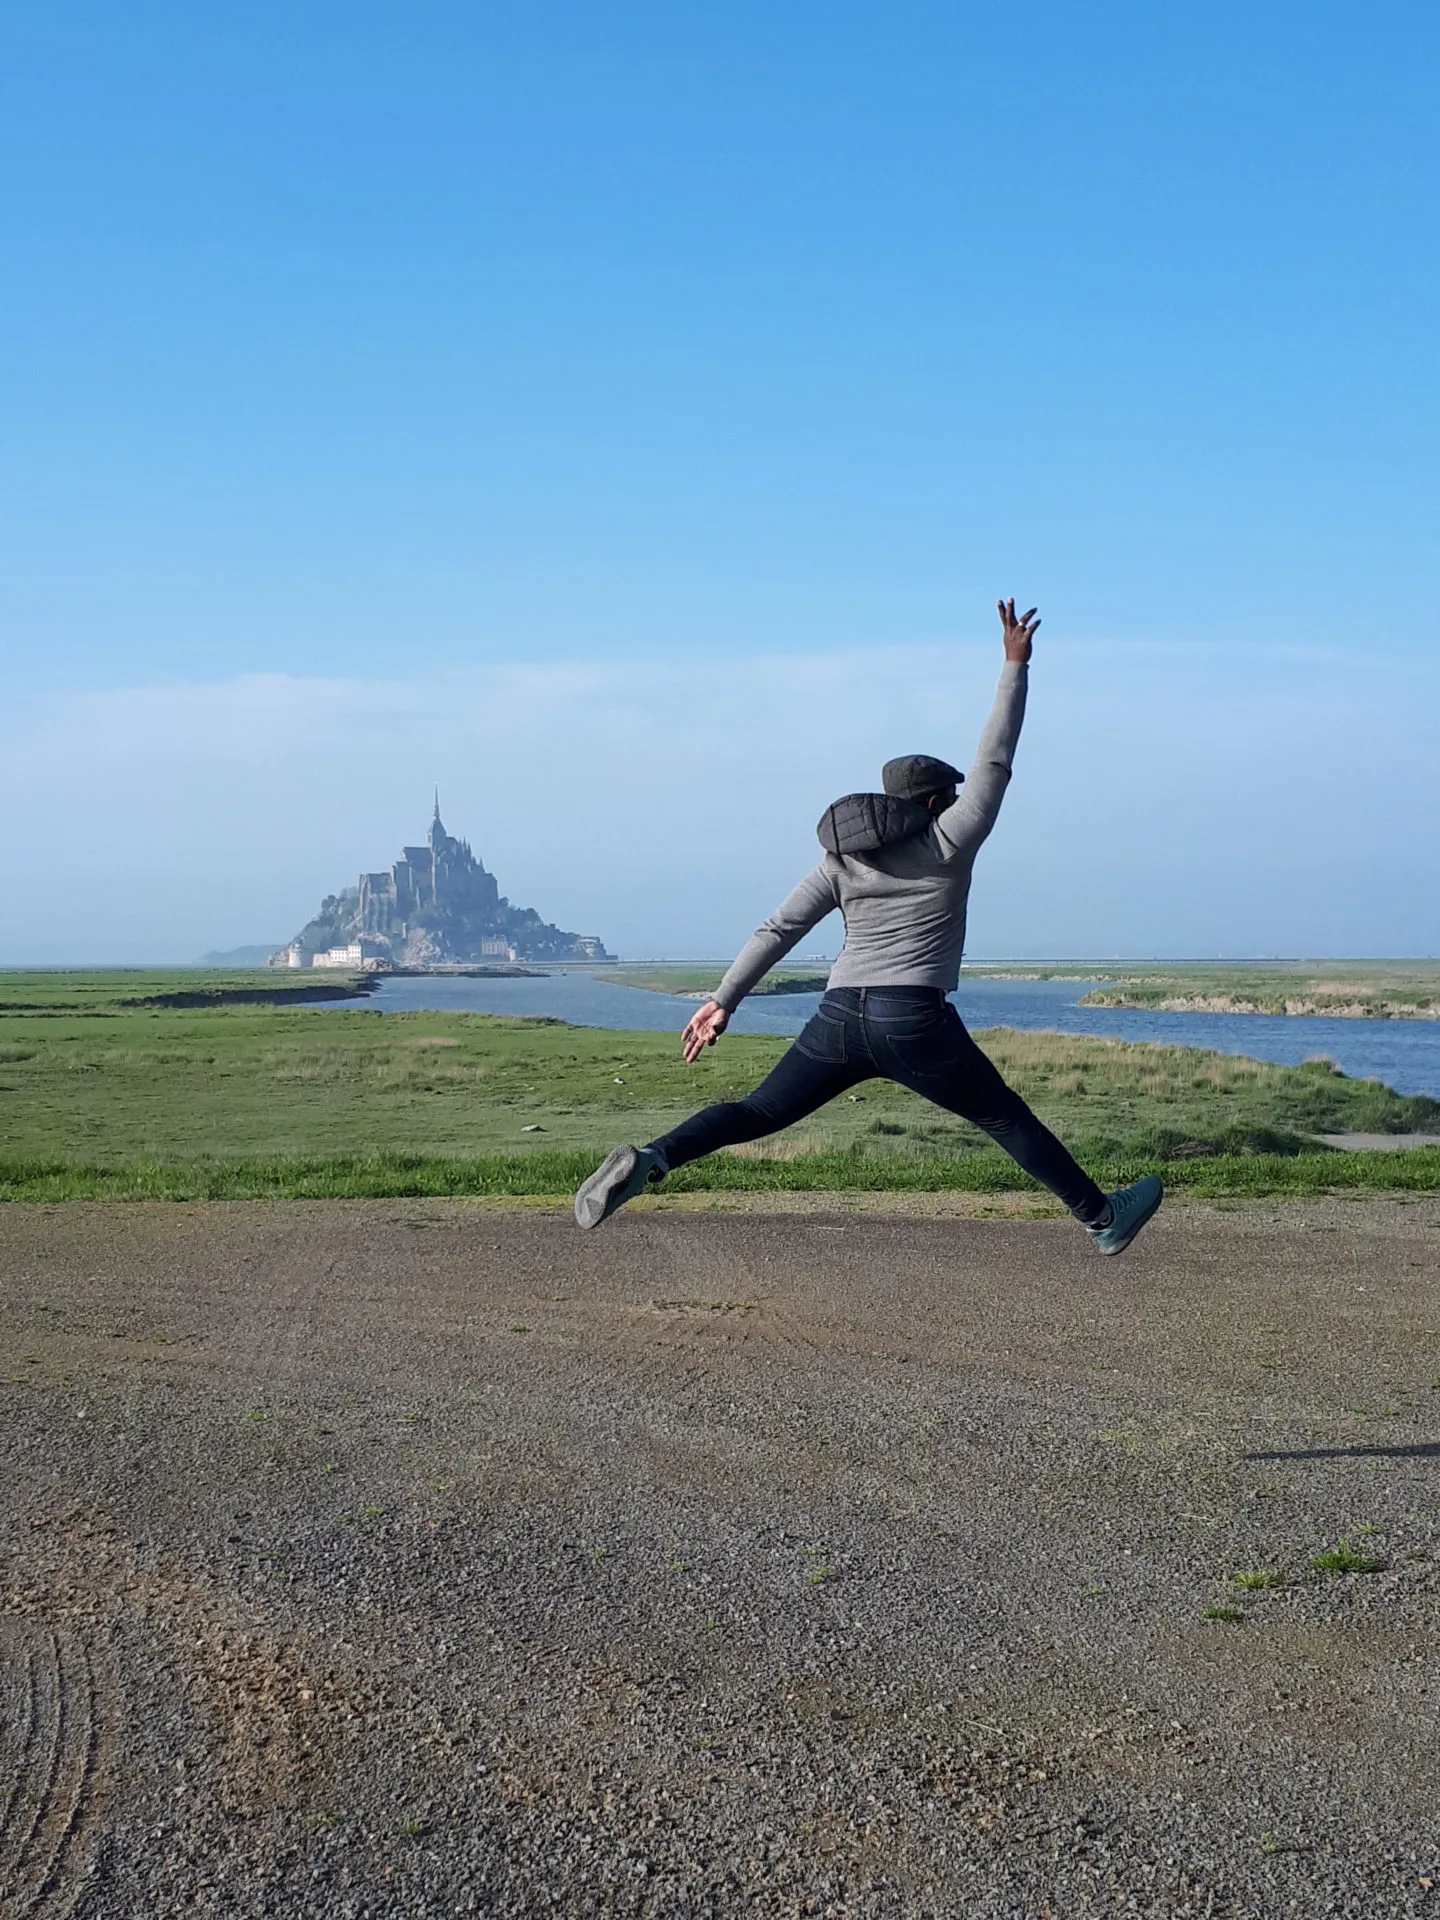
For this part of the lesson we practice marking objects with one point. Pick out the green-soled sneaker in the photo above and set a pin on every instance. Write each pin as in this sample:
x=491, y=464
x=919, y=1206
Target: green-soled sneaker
x=1130, y=1208
x=623, y=1175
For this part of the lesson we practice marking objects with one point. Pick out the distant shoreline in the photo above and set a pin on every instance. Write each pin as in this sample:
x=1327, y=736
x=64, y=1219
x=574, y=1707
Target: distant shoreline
x=509, y=971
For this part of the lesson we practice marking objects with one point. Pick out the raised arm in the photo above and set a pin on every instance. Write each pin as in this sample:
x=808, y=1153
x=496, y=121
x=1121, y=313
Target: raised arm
x=801, y=910
x=966, y=824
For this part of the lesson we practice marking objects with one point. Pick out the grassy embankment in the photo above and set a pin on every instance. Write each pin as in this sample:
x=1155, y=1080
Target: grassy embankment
x=1351, y=989
x=108, y=1090
x=694, y=981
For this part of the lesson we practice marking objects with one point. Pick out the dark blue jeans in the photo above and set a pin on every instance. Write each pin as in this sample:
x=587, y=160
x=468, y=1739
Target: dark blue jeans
x=909, y=1034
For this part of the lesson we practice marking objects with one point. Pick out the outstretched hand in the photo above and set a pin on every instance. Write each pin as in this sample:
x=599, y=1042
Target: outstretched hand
x=1018, y=633
x=704, y=1030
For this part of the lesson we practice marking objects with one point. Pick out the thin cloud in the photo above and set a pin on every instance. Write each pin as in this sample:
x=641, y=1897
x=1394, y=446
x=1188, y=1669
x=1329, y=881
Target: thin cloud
x=1166, y=798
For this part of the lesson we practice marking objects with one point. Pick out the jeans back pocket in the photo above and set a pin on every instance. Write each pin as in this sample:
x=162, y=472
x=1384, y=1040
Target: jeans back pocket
x=922, y=1046
x=823, y=1037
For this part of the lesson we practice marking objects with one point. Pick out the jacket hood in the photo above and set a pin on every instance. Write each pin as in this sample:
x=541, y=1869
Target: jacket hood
x=865, y=822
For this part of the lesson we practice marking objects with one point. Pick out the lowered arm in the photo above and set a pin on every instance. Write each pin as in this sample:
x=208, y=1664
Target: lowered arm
x=801, y=910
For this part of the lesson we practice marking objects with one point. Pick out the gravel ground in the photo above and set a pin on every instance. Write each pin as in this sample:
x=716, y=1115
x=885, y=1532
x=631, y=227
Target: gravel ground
x=411, y=1559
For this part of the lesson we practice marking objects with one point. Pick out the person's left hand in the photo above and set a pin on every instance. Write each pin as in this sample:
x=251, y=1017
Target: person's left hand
x=704, y=1030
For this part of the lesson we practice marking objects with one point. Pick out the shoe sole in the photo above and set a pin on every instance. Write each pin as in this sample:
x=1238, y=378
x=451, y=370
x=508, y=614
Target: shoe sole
x=1144, y=1220
x=593, y=1201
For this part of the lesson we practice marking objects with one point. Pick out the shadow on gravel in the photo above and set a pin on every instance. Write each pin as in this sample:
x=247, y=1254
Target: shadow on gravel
x=1422, y=1450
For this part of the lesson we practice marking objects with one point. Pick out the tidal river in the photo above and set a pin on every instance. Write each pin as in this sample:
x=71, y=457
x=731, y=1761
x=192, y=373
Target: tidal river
x=1403, y=1053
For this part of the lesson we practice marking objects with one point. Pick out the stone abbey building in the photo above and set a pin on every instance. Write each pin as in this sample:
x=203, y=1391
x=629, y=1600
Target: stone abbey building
x=437, y=906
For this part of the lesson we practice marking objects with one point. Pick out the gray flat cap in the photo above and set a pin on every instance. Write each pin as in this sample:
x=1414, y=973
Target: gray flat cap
x=914, y=775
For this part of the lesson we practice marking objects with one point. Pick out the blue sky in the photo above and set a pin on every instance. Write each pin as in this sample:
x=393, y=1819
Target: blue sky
x=545, y=377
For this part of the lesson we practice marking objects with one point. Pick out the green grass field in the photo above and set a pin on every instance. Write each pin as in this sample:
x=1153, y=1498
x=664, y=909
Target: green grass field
x=109, y=1087
x=107, y=995
x=550, y=1175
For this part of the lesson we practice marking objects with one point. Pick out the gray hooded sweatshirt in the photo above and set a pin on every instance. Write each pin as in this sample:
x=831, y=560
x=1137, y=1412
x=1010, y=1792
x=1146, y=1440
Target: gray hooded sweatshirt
x=904, y=905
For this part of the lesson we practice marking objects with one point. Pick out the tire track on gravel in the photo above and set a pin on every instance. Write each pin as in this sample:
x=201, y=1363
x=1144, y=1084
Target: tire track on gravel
x=51, y=1741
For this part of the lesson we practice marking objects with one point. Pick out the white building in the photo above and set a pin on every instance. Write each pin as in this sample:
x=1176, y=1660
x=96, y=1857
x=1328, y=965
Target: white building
x=360, y=956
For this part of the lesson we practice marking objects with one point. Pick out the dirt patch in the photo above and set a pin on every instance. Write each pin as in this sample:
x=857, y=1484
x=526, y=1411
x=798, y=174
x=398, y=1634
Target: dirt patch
x=1378, y=1142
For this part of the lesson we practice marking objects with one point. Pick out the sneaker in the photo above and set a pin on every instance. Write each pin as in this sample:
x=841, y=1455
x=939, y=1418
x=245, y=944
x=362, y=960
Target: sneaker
x=1130, y=1208
x=623, y=1176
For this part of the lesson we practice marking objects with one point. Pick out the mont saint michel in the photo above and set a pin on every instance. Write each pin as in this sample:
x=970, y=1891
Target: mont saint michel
x=437, y=906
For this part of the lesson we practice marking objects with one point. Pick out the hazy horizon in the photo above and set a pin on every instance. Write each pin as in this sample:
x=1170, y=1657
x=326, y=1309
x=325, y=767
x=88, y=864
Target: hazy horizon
x=1204, y=835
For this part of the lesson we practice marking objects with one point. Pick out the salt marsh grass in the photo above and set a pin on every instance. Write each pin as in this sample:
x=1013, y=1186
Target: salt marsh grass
x=1355, y=990
x=106, y=1086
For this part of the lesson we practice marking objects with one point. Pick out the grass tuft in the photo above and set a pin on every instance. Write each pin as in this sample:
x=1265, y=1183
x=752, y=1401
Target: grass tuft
x=1257, y=1579
x=1343, y=1558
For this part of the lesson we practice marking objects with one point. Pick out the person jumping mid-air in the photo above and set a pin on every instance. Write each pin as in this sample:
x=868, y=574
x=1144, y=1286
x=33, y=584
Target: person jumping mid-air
x=897, y=864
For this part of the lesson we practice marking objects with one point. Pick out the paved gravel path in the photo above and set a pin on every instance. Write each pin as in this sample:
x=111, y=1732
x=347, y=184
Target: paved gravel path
x=416, y=1559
